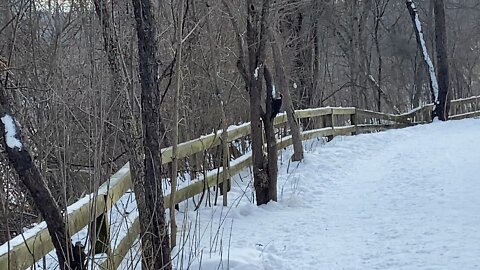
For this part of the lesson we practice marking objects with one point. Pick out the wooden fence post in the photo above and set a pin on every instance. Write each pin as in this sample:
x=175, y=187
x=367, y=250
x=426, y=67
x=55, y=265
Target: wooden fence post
x=224, y=189
x=353, y=121
x=427, y=116
x=328, y=122
x=101, y=232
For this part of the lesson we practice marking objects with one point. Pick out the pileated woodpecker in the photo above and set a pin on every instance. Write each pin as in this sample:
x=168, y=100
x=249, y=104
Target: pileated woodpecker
x=276, y=105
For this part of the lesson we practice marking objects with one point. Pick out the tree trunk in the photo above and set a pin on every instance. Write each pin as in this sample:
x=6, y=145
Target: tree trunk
x=22, y=162
x=418, y=83
x=225, y=185
x=287, y=100
x=258, y=12
x=378, y=18
x=417, y=25
x=154, y=229
x=178, y=74
x=272, y=153
x=251, y=69
x=110, y=45
x=222, y=96
x=260, y=174
x=442, y=61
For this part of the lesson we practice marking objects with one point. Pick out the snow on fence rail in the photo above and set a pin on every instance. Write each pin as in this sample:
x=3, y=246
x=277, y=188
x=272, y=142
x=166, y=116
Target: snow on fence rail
x=24, y=250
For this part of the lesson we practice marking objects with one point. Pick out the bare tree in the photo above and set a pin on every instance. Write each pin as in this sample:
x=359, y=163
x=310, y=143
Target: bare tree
x=287, y=99
x=81, y=127
x=69, y=256
x=417, y=25
x=178, y=74
x=148, y=190
x=251, y=66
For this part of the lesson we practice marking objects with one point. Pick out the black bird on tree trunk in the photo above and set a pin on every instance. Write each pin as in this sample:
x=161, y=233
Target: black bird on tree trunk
x=276, y=105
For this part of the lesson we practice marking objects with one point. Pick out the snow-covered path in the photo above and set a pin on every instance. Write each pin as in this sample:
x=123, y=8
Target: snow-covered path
x=401, y=199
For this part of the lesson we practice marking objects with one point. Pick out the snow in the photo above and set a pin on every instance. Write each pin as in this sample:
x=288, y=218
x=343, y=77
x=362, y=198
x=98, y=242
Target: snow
x=34, y=230
x=18, y=240
x=255, y=74
x=242, y=125
x=392, y=200
x=218, y=132
x=11, y=132
x=120, y=219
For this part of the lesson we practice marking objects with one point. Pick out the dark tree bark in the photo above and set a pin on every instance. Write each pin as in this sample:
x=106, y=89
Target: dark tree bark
x=251, y=65
x=442, y=61
x=110, y=44
x=22, y=162
x=378, y=12
x=154, y=229
x=424, y=52
x=129, y=115
x=258, y=12
x=272, y=153
x=287, y=99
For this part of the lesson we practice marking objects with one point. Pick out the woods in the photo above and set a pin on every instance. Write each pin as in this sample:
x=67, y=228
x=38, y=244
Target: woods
x=92, y=85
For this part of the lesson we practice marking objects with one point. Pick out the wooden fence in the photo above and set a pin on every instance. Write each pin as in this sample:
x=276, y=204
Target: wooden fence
x=24, y=250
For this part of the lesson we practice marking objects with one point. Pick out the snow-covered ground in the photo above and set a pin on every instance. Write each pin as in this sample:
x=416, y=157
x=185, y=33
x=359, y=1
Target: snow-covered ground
x=400, y=199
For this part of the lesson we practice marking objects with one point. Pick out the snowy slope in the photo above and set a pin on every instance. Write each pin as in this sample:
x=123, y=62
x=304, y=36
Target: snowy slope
x=401, y=199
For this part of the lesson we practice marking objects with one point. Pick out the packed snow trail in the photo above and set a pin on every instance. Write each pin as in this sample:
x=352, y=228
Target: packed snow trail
x=400, y=199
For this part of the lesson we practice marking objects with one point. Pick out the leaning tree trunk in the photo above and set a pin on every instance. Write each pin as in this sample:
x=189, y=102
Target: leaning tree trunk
x=442, y=61
x=69, y=257
x=153, y=227
x=417, y=25
x=287, y=99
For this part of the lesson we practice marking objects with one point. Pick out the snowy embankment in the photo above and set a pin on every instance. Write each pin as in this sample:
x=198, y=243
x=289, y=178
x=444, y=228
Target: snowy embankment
x=401, y=199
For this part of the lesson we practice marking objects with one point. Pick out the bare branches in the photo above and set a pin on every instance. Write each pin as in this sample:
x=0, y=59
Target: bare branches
x=241, y=64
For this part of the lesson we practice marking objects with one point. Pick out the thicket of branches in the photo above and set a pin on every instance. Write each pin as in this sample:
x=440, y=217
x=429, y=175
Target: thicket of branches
x=55, y=72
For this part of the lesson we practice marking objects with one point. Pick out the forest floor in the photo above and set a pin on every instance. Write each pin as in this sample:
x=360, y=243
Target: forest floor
x=400, y=199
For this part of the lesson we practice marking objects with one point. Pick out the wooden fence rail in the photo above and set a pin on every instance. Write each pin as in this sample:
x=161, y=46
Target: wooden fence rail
x=24, y=250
